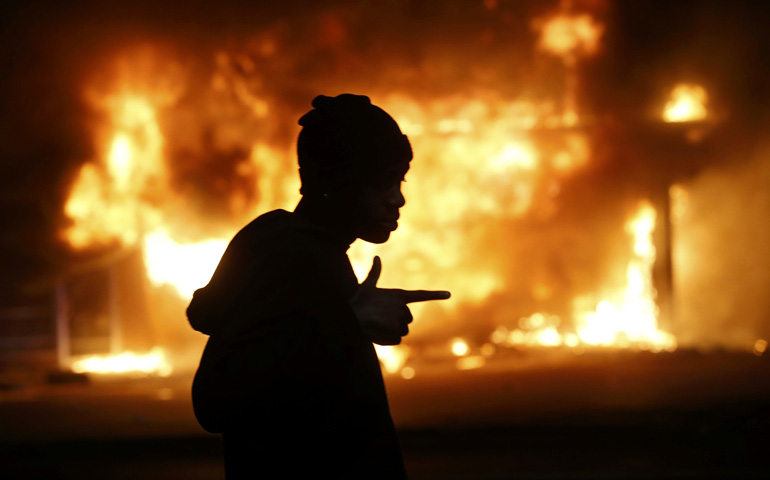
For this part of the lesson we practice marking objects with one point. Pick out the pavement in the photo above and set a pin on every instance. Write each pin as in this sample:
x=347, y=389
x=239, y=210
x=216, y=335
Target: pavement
x=605, y=415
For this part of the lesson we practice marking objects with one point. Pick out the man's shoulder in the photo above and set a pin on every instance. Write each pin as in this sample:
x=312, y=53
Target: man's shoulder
x=282, y=230
x=265, y=228
x=279, y=240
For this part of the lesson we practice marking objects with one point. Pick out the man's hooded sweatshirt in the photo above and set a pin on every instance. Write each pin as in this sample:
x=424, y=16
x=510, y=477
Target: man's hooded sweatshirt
x=287, y=375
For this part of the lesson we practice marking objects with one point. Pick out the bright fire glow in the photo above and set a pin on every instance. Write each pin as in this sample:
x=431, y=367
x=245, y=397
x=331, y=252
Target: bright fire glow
x=110, y=201
x=565, y=35
x=460, y=347
x=153, y=362
x=481, y=149
x=186, y=267
x=687, y=103
x=634, y=320
x=482, y=161
x=393, y=357
x=630, y=321
x=470, y=363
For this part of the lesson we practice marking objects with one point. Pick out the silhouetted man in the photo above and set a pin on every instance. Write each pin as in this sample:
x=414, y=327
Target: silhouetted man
x=289, y=375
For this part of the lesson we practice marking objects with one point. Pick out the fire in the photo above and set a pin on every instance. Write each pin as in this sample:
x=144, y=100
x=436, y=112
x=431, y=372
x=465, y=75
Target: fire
x=186, y=267
x=567, y=35
x=486, y=160
x=393, y=358
x=120, y=161
x=110, y=198
x=687, y=103
x=632, y=320
x=153, y=362
x=116, y=199
x=460, y=347
x=478, y=162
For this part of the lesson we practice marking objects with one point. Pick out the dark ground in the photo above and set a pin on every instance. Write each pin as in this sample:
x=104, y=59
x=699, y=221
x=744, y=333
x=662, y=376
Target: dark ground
x=681, y=415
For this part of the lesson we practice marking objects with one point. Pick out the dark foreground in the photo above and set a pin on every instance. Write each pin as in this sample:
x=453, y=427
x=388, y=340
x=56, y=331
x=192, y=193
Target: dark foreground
x=735, y=446
x=629, y=417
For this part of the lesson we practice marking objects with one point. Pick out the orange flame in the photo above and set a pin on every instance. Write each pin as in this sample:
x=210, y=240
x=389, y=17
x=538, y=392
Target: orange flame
x=107, y=202
x=153, y=362
x=687, y=103
x=186, y=267
x=567, y=36
x=393, y=357
x=630, y=321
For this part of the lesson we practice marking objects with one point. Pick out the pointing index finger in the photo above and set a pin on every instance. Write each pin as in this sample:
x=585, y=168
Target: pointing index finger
x=411, y=296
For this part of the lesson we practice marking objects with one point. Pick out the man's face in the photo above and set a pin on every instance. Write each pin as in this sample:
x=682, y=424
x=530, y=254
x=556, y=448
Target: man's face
x=377, y=212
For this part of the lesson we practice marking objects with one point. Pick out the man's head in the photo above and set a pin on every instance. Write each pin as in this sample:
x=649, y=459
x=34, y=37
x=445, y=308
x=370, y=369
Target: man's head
x=353, y=158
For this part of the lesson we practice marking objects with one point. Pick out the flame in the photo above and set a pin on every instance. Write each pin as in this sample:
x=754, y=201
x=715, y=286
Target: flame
x=393, y=357
x=478, y=146
x=186, y=267
x=631, y=321
x=687, y=103
x=110, y=199
x=481, y=149
x=115, y=199
x=460, y=347
x=499, y=165
x=634, y=319
x=567, y=35
x=153, y=362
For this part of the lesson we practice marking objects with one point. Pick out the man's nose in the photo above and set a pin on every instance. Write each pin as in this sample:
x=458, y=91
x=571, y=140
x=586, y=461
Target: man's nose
x=396, y=198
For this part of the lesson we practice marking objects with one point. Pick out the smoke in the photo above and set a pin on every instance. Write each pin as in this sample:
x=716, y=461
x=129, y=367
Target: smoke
x=721, y=255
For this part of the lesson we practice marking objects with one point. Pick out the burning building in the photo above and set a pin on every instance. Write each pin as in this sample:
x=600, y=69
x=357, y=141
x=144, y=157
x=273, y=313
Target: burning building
x=587, y=175
x=590, y=181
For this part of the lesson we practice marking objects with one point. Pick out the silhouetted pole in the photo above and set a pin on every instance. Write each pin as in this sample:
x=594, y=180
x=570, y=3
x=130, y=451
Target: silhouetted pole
x=63, y=347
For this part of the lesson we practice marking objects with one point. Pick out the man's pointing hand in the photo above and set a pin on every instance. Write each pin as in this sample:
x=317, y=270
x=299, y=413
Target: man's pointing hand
x=383, y=312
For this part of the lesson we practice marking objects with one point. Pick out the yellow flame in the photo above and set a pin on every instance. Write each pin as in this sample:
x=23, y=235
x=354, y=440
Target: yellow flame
x=632, y=321
x=153, y=362
x=460, y=347
x=112, y=200
x=392, y=357
x=106, y=204
x=687, y=103
x=186, y=267
x=517, y=156
x=565, y=35
x=482, y=149
x=120, y=161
